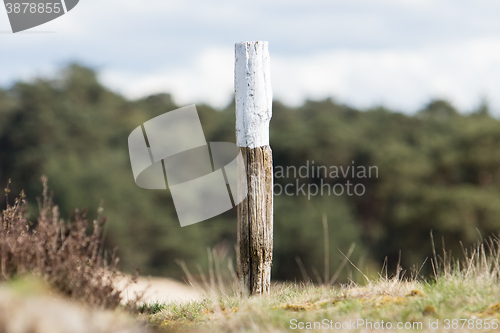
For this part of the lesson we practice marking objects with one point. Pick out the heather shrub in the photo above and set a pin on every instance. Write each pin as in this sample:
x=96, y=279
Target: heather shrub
x=66, y=254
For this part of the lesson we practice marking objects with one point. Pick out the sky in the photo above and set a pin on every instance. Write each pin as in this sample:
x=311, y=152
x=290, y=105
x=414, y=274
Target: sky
x=365, y=53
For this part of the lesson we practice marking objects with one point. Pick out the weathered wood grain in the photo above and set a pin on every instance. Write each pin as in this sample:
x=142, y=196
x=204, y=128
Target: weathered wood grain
x=255, y=222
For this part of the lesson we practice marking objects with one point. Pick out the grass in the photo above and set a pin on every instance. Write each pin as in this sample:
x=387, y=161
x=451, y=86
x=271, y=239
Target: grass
x=462, y=295
x=467, y=291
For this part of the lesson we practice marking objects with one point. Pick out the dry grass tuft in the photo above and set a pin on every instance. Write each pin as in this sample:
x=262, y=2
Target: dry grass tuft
x=429, y=310
x=493, y=309
x=416, y=292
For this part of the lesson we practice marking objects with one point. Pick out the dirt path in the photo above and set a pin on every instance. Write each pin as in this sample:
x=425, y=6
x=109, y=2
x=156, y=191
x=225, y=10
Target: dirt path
x=158, y=289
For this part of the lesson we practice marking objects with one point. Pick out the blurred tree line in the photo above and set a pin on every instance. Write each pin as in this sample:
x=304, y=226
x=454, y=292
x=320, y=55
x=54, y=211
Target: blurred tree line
x=437, y=170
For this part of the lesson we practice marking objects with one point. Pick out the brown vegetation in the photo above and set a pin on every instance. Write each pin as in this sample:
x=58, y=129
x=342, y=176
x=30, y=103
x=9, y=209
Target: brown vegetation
x=63, y=253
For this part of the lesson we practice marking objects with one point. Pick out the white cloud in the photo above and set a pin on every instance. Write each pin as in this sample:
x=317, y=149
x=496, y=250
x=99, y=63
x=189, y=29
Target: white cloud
x=403, y=79
x=208, y=79
x=399, y=53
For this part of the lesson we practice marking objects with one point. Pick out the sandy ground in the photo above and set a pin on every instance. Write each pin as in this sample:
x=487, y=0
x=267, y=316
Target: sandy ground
x=158, y=289
x=30, y=307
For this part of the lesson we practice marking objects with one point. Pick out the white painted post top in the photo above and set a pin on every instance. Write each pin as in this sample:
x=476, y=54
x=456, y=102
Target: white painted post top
x=254, y=96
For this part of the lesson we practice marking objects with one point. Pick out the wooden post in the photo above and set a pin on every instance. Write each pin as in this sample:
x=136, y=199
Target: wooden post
x=255, y=214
